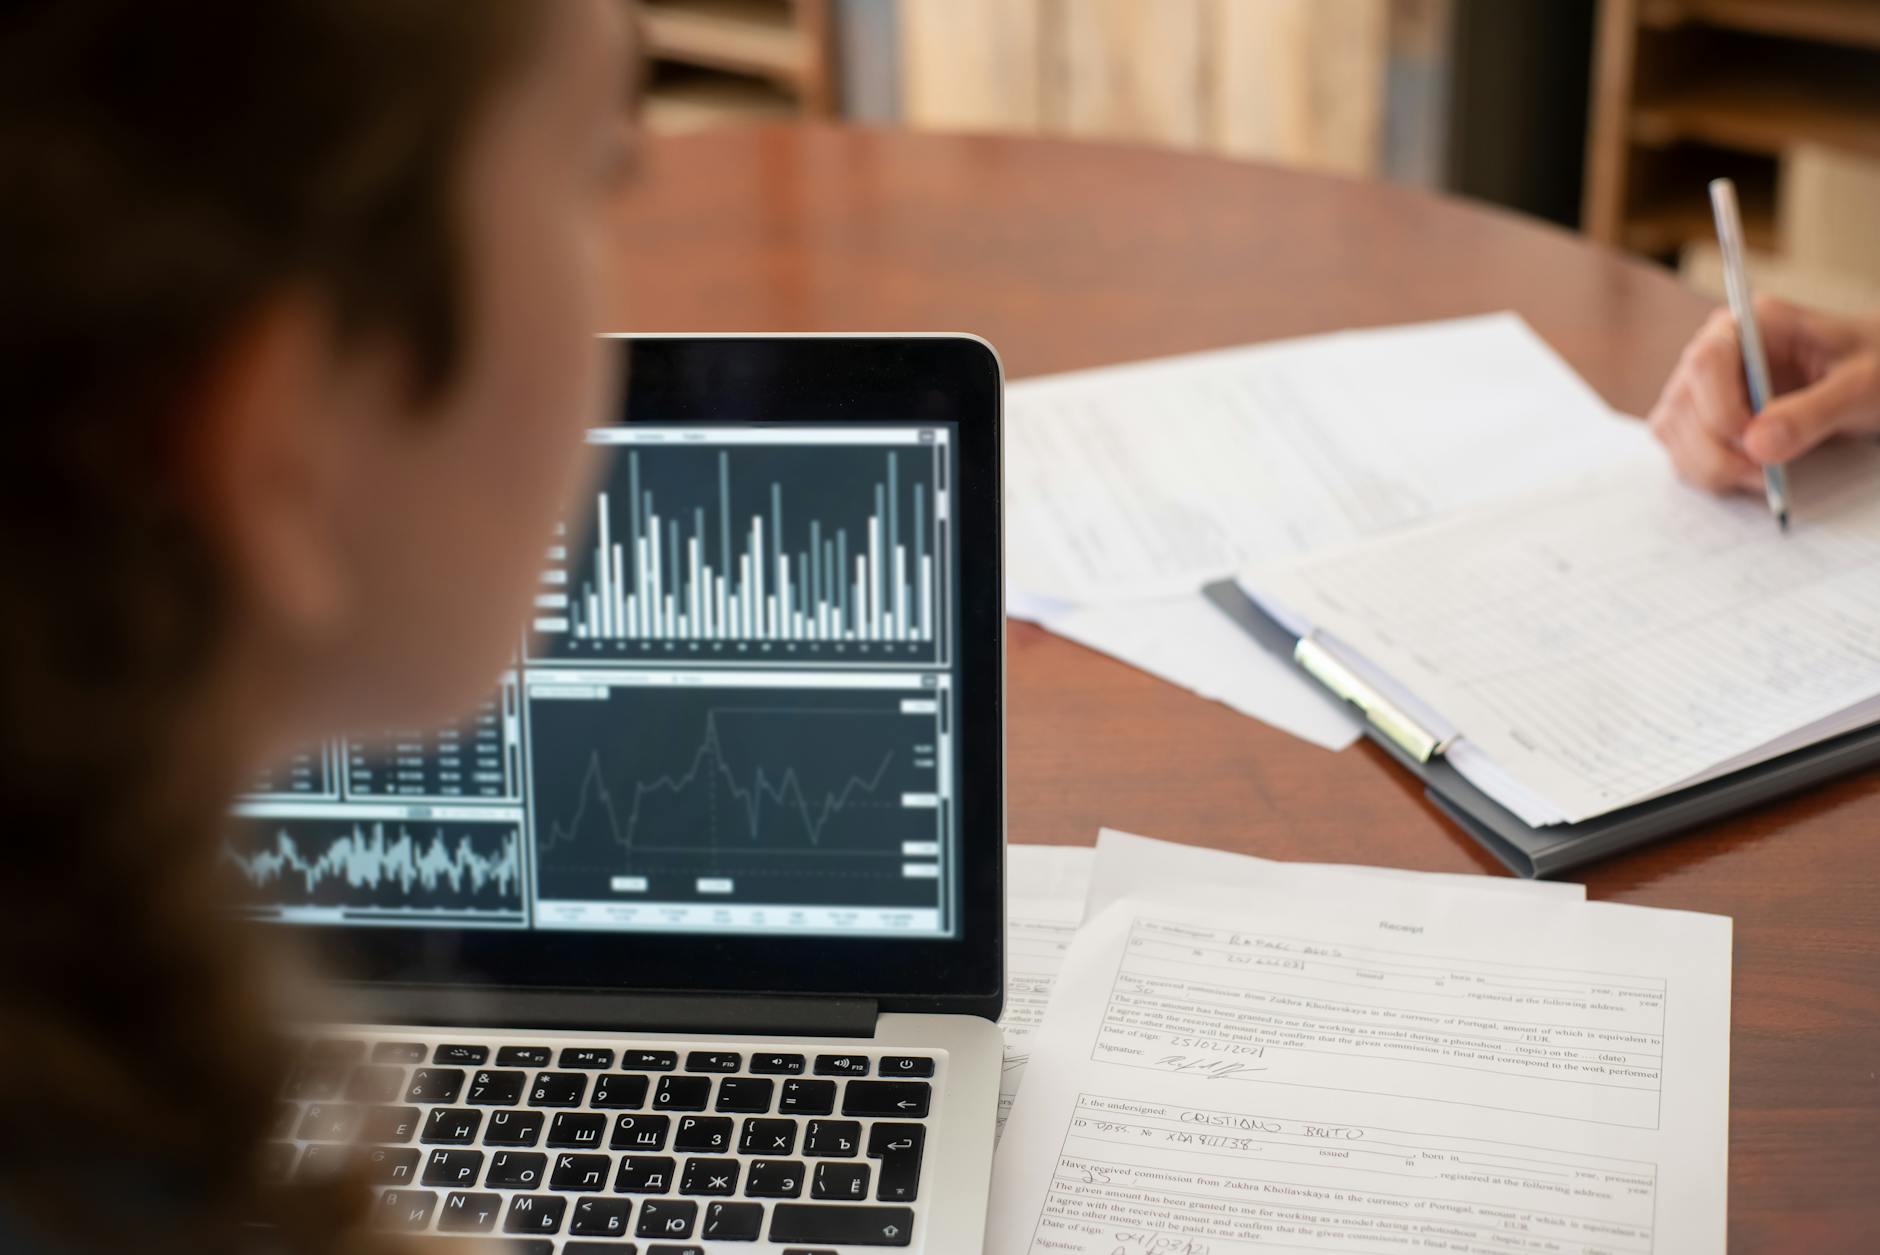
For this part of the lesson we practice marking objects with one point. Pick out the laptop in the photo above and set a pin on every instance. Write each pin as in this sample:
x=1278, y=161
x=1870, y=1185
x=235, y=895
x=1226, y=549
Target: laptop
x=689, y=939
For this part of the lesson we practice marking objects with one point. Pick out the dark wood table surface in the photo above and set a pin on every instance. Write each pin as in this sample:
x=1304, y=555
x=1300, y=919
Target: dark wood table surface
x=1070, y=255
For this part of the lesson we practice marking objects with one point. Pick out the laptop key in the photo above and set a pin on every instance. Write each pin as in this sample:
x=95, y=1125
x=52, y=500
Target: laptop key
x=600, y=1217
x=768, y=1137
x=847, y=1181
x=733, y=1222
x=777, y=1065
x=682, y=1093
x=774, y=1178
x=702, y=1134
x=558, y=1089
x=398, y=1052
x=666, y=1218
x=619, y=1089
x=842, y=1223
x=469, y=1213
x=581, y=1172
x=523, y=1056
x=451, y=1126
x=807, y=1098
x=902, y=1100
x=649, y=1060
x=336, y=1051
x=286, y=1120
x=516, y=1170
x=577, y=1130
x=459, y=1168
x=714, y=1061
x=389, y=1125
x=408, y=1210
x=709, y=1176
x=435, y=1085
x=375, y=1083
x=462, y=1056
x=898, y=1147
x=840, y=1139
x=745, y=1094
x=673, y=1248
x=613, y=1248
x=841, y=1065
x=497, y=1088
x=329, y=1122
x=905, y=1065
x=641, y=1133
x=392, y=1165
x=586, y=1058
x=323, y=1161
x=316, y=1082
x=645, y=1174
x=535, y=1213
x=514, y=1128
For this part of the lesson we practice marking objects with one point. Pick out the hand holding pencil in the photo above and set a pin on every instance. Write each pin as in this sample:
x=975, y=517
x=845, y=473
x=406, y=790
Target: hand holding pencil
x=1825, y=375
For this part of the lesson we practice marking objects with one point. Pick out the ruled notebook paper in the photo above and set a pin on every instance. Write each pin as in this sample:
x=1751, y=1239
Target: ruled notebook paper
x=1619, y=638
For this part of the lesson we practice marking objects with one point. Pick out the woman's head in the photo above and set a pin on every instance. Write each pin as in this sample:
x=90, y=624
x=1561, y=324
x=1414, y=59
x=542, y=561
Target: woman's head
x=296, y=350
x=309, y=286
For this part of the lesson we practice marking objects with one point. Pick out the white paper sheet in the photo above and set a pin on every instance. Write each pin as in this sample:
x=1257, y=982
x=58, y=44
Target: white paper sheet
x=1131, y=866
x=1152, y=478
x=1397, y=1066
x=1187, y=642
x=1044, y=901
x=1619, y=638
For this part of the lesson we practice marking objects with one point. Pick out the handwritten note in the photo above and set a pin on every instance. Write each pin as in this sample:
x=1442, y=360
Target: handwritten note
x=1394, y=1066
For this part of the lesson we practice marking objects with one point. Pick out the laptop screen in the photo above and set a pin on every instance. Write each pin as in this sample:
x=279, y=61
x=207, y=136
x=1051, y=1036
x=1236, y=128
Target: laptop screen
x=737, y=713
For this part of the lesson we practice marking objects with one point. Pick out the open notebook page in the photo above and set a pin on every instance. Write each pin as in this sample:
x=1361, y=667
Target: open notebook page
x=1618, y=638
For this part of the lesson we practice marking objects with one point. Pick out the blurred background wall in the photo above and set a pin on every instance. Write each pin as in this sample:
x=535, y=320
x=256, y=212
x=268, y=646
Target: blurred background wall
x=1606, y=116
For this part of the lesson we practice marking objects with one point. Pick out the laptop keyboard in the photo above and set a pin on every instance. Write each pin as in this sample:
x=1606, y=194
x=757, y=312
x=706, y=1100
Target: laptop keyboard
x=579, y=1150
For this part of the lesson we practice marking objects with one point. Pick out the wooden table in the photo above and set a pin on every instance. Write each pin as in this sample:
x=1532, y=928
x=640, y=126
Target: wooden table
x=1071, y=255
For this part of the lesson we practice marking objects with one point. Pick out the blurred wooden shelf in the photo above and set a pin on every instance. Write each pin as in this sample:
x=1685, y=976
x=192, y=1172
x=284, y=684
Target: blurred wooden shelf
x=1848, y=22
x=743, y=36
x=703, y=100
x=1665, y=227
x=775, y=56
x=1685, y=90
x=1768, y=115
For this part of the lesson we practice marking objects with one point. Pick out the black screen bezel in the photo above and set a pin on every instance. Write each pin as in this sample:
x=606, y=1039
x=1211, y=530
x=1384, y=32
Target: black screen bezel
x=739, y=380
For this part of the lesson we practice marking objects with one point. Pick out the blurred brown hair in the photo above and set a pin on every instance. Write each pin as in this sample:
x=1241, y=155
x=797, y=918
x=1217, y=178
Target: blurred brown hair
x=168, y=168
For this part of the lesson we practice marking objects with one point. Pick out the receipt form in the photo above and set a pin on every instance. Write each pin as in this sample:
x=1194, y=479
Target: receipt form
x=1394, y=1068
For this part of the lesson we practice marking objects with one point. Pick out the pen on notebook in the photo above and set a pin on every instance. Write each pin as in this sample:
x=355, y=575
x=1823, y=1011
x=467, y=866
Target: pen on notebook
x=1748, y=336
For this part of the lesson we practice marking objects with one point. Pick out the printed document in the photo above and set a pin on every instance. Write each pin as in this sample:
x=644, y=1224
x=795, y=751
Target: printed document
x=1397, y=1066
x=1128, y=865
x=1618, y=638
x=1045, y=886
x=1152, y=479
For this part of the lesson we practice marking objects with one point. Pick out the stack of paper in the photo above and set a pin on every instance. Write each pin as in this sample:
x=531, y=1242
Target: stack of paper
x=1130, y=487
x=1608, y=642
x=1241, y=1056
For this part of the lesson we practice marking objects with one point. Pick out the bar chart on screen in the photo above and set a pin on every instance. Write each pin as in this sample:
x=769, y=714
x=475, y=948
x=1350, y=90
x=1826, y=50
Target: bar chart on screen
x=731, y=545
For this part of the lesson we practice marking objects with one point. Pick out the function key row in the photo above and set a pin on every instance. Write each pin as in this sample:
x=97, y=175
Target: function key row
x=510, y=1087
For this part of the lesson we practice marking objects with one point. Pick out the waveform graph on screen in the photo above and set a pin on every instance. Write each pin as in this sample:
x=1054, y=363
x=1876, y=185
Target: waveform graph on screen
x=739, y=545
x=352, y=865
x=694, y=801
